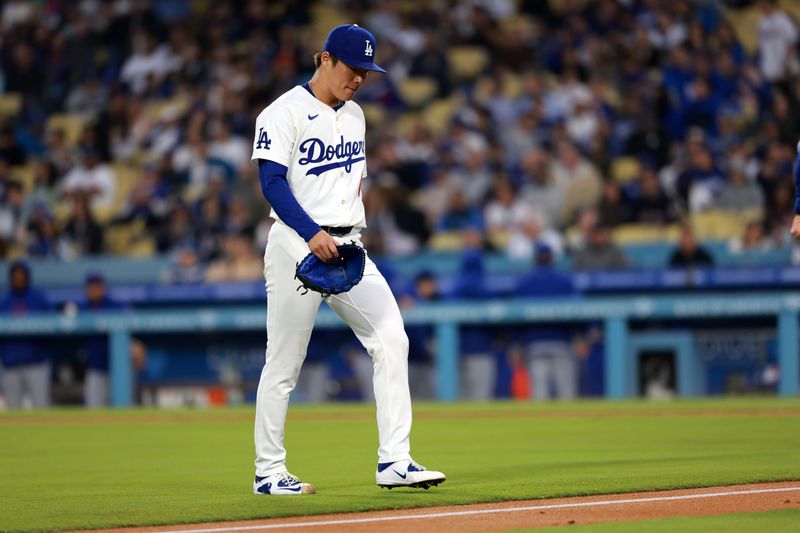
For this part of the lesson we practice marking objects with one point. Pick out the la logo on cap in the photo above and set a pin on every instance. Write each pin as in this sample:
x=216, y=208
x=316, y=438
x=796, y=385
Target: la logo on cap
x=368, y=49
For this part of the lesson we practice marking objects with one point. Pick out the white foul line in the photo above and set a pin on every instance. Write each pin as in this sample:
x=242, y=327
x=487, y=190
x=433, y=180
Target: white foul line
x=482, y=511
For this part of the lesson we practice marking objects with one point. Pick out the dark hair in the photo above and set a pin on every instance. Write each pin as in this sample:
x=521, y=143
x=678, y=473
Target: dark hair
x=318, y=59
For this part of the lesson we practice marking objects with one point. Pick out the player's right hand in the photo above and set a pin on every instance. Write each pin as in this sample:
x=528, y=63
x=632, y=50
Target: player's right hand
x=323, y=246
x=795, y=231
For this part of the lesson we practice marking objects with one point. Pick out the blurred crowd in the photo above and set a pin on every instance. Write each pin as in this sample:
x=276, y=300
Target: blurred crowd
x=136, y=124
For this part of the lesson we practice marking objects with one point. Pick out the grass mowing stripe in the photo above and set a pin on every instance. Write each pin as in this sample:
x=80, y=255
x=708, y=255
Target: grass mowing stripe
x=773, y=406
x=135, y=473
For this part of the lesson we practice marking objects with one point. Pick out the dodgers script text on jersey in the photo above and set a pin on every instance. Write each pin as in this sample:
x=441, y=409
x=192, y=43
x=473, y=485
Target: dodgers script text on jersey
x=317, y=151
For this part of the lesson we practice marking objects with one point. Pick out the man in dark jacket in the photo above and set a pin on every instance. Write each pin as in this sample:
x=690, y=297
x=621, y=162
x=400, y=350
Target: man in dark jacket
x=600, y=252
x=549, y=347
x=478, y=361
x=25, y=364
x=95, y=389
x=689, y=254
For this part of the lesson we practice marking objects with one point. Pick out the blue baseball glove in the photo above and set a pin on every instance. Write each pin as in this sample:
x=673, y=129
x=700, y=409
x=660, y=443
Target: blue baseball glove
x=332, y=278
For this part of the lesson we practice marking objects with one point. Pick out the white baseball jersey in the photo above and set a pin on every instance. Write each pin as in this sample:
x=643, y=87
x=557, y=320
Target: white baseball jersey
x=323, y=150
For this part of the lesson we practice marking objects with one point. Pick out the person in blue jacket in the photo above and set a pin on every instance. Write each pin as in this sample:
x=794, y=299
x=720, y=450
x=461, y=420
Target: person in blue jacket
x=478, y=361
x=26, y=367
x=421, y=375
x=549, y=346
x=96, y=300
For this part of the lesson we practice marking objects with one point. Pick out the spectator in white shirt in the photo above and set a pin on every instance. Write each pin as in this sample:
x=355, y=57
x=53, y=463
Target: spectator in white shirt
x=777, y=35
x=93, y=179
x=232, y=149
x=148, y=59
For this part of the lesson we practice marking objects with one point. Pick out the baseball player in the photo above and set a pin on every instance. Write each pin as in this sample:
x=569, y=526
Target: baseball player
x=795, y=227
x=24, y=359
x=309, y=147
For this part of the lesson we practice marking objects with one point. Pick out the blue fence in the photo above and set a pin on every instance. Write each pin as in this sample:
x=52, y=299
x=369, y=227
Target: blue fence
x=503, y=283
x=621, y=344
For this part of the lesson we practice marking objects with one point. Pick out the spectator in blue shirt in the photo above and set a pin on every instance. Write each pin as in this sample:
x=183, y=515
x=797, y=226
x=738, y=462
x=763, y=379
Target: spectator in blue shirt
x=95, y=391
x=25, y=364
x=460, y=215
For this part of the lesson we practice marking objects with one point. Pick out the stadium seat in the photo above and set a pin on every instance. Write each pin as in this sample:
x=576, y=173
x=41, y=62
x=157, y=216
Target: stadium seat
x=61, y=210
x=611, y=95
x=437, y=114
x=446, y=241
x=325, y=16
x=143, y=247
x=624, y=169
x=374, y=115
x=71, y=124
x=467, y=62
x=717, y=224
x=498, y=238
x=512, y=85
x=117, y=237
x=129, y=240
x=406, y=122
x=754, y=214
x=744, y=22
x=10, y=105
x=158, y=110
x=25, y=174
x=417, y=91
x=626, y=234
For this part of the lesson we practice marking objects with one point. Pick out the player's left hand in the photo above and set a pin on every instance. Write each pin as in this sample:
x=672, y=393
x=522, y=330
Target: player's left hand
x=795, y=231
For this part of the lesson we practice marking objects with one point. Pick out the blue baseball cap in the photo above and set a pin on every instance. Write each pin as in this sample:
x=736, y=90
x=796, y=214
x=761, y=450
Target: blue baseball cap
x=94, y=276
x=353, y=45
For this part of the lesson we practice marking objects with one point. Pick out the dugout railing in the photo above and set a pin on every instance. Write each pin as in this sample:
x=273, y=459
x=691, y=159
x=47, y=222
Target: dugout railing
x=616, y=314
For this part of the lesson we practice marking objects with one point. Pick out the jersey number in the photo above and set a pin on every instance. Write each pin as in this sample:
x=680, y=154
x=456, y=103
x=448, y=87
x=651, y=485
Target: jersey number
x=263, y=140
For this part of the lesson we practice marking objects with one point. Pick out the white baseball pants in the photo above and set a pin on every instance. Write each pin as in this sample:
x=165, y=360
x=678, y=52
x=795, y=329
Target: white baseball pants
x=369, y=309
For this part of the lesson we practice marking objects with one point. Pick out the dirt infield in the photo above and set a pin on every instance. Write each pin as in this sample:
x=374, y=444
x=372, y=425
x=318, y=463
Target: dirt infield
x=529, y=514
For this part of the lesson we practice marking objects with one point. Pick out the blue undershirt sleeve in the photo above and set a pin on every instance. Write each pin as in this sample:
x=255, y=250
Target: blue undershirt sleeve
x=276, y=190
x=797, y=182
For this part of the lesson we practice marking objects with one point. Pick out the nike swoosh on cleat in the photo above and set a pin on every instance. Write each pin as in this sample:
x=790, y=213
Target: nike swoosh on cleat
x=399, y=474
x=310, y=117
x=293, y=490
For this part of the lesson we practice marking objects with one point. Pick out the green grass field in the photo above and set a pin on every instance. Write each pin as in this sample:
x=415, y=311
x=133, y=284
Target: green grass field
x=78, y=469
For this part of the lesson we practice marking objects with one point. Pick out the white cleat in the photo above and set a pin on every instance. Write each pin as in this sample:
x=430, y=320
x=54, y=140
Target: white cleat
x=407, y=473
x=282, y=484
